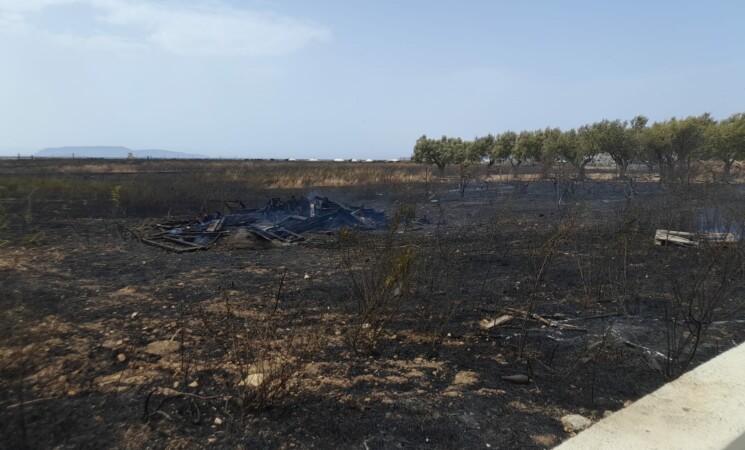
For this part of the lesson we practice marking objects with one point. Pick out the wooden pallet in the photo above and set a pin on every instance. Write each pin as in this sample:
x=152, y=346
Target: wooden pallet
x=686, y=239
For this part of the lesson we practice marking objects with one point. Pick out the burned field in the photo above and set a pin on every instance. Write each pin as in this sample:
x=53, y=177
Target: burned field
x=459, y=322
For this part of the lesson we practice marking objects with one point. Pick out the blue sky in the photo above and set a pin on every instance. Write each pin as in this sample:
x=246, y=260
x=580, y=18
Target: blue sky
x=352, y=79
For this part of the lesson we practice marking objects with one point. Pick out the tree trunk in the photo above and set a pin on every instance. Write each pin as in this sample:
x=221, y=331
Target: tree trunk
x=426, y=179
x=622, y=166
x=515, y=167
x=546, y=165
x=728, y=169
x=463, y=180
x=581, y=170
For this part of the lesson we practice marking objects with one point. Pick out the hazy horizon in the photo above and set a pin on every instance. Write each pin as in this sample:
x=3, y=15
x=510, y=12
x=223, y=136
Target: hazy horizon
x=290, y=79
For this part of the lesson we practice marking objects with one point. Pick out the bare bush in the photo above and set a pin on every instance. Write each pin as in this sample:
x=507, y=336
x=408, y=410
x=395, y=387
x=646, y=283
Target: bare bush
x=262, y=356
x=696, y=297
x=379, y=273
x=245, y=360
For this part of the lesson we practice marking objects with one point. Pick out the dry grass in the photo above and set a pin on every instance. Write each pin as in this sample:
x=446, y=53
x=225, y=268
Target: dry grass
x=44, y=189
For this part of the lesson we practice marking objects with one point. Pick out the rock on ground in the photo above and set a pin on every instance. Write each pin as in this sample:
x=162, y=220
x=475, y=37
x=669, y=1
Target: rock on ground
x=574, y=423
x=162, y=348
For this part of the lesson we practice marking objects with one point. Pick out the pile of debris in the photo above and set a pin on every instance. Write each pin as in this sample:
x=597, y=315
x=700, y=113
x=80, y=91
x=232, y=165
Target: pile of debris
x=282, y=221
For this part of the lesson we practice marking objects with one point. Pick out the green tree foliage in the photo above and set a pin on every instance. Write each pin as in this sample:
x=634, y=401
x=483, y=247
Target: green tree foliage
x=689, y=141
x=726, y=141
x=616, y=139
x=464, y=154
x=496, y=148
x=483, y=147
x=431, y=151
x=461, y=152
x=529, y=145
x=591, y=140
x=656, y=150
x=671, y=147
x=552, y=149
x=504, y=146
x=633, y=144
x=668, y=147
x=450, y=150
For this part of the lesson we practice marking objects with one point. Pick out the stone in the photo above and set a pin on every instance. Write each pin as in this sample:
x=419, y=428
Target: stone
x=574, y=423
x=121, y=357
x=162, y=348
x=111, y=344
x=253, y=380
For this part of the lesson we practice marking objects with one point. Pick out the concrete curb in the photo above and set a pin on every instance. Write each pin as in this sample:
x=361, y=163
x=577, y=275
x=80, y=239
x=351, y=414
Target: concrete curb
x=703, y=409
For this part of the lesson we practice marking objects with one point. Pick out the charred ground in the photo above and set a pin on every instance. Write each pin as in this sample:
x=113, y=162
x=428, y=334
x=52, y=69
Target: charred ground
x=355, y=339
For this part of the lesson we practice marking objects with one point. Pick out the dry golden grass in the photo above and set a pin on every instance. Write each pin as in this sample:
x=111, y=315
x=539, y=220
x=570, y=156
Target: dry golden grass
x=142, y=188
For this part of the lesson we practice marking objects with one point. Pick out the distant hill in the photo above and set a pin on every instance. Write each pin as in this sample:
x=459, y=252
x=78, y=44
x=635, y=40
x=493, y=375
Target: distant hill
x=112, y=152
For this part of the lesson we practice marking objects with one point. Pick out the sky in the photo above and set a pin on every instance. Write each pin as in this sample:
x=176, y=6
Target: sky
x=352, y=78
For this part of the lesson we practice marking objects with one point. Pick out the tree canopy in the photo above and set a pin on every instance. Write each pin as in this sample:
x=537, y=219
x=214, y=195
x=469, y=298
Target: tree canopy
x=669, y=147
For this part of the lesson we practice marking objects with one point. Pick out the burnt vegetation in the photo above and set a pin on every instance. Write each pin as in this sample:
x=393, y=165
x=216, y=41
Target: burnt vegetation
x=366, y=338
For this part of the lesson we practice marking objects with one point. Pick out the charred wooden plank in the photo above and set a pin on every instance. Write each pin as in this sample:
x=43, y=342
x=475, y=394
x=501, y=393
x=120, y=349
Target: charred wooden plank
x=216, y=225
x=170, y=247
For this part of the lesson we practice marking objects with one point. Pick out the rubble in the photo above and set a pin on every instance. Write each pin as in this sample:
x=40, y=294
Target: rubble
x=280, y=221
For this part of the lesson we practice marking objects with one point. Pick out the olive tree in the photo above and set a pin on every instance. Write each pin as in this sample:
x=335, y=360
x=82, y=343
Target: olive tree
x=726, y=141
x=504, y=146
x=672, y=146
x=431, y=151
x=483, y=148
x=621, y=141
x=464, y=154
x=529, y=145
x=656, y=150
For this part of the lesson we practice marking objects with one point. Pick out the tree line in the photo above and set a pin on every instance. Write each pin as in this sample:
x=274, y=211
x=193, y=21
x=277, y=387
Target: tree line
x=670, y=148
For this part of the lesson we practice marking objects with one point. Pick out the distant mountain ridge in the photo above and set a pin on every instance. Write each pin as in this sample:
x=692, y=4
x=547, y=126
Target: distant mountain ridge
x=103, y=151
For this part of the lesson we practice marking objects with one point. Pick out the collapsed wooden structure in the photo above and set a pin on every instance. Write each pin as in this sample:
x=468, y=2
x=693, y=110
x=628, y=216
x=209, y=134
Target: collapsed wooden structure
x=281, y=221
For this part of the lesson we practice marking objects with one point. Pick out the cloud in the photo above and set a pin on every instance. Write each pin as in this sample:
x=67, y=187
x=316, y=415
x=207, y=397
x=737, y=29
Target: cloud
x=184, y=29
